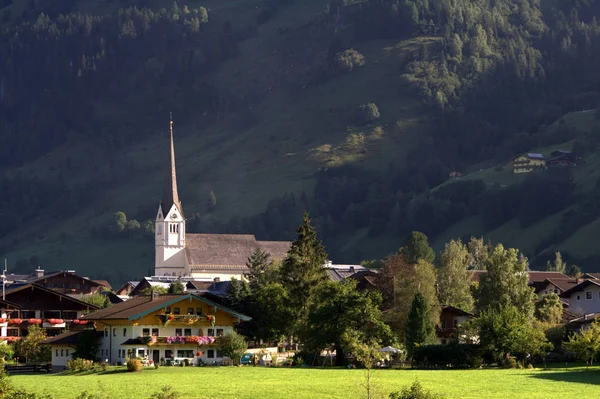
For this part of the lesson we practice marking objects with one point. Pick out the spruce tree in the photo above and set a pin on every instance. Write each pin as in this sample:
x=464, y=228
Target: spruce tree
x=419, y=328
x=416, y=246
x=302, y=271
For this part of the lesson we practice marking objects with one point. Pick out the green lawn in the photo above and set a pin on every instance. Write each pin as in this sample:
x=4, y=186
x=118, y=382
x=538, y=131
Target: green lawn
x=250, y=382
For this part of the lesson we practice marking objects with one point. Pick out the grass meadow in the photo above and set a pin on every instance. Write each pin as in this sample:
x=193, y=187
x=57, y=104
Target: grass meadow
x=250, y=382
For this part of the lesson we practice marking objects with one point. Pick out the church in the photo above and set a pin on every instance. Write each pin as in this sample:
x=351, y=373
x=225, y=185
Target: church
x=200, y=256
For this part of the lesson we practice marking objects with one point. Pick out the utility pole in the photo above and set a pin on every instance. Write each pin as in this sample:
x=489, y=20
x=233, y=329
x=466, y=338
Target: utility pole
x=4, y=280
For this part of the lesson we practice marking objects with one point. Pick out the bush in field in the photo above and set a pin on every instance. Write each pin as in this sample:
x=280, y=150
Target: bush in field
x=415, y=391
x=79, y=364
x=134, y=365
x=347, y=60
x=166, y=392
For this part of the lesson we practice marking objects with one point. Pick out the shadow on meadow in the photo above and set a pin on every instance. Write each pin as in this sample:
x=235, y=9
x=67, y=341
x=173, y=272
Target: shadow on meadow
x=581, y=376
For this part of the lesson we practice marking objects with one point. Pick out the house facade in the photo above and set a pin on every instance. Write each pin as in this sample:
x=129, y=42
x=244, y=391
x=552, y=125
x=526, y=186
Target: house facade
x=165, y=328
x=200, y=256
x=33, y=304
x=450, y=319
x=526, y=163
x=584, y=298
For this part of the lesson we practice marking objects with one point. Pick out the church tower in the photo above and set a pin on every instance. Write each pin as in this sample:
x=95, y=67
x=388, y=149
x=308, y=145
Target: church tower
x=170, y=224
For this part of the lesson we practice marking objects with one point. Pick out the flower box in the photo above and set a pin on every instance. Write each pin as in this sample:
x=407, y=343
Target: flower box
x=80, y=322
x=10, y=339
x=34, y=321
x=56, y=323
x=14, y=321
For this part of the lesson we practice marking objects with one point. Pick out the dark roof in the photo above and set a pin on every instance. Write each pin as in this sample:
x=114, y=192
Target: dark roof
x=170, y=195
x=4, y=302
x=585, y=319
x=63, y=296
x=539, y=276
x=144, y=304
x=69, y=337
x=562, y=284
x=103, y=283
x=580, y=287
x=567, y=315
x=592, y=275
x=452, y=309
x=228, y=251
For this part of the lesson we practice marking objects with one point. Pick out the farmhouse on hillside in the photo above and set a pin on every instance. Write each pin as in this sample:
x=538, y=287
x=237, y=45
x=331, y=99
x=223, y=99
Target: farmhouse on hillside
x=526, y=163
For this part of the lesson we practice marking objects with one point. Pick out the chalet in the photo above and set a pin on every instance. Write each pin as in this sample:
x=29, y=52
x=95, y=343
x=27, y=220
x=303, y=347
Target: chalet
x=554, y=285
x=526, y=163
x=561, y=158
x=584, y=298
x=65, y=282
x=33, y=304
x=450, y=319
x=63, y=346
x=341, y=272
x=125, y=289
x=366, y=279
x=166, y=328
x=454, y=175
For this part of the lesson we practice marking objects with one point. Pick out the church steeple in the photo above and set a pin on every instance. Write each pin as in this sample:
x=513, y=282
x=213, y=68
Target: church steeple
x=170, y=195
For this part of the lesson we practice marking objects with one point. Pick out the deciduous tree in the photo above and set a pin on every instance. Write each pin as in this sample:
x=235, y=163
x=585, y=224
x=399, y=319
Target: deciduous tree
x=416, y=246
x=586, y=343
x=454, y=277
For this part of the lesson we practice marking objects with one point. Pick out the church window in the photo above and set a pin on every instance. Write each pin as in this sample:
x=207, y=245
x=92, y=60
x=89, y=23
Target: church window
x=159, y=230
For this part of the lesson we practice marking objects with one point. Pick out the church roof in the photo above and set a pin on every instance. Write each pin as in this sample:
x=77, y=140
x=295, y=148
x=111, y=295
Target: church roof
x=228, y=252
x=170, y=195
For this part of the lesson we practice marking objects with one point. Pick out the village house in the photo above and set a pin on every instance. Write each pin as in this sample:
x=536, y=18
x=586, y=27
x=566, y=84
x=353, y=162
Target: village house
x=450, y=319
x=33, y=304
x=165, y=328
x=561, y=158
x=200, y=256
x=584, y=298
x=63, y=281
x=526, y=163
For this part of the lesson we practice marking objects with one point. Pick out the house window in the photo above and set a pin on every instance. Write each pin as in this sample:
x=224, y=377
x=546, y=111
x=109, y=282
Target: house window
x=199, y=311
x=210, y=353
x=159, y=231
x=12, y=332
x=155, y=332
x=443, y=323
x=124, y=332
x=175, y=310
x=185, y=353
x=69, y=315
x=578, y=297
x=62, y=352
x=178, y=332
x=211, y=332
x=145, y=332
x=168, y=309
x=443, y=342
x=57, y=353
x=219, y=353
x=187, y=332
x=219, y=332
x=66, y=352
x=106, y=332
x=588, y=295
x=51, y=314
x=190, y=311
x=141, y=352
x=114, y=332
x=28, y=314
x=455, y=323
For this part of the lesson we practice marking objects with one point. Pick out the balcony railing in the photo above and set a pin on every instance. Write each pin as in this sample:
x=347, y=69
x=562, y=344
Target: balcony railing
x=179, y=340
x=186, y=319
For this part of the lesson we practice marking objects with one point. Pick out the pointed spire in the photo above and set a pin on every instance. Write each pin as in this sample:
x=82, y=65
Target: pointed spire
x=170, y=195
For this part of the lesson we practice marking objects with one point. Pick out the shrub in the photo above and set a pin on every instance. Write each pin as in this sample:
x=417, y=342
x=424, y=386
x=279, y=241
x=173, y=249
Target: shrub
x=7, y=352
x=509, y=362
x=166, y=392
x=415, y=391
x=103, y=366
x=134, y=365
x=453, y=355
x=156, y=366
x=347, y=60
x=79, y=364
x=368, y=113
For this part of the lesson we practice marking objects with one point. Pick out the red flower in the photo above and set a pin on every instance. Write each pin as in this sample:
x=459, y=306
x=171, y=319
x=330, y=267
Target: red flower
x=171, y=317
x=15, y=321
x=2, y=320
x=34, y=321
x=80, y=322
x=56, y=321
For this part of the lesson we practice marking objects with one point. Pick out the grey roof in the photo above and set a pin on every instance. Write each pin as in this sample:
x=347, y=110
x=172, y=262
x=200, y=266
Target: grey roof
x=535, y=155
x=170, y=195
x=228, y=252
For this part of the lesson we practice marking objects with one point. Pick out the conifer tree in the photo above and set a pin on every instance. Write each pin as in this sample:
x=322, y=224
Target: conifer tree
x=302, y=271
x=419, y=328
x=416, y=246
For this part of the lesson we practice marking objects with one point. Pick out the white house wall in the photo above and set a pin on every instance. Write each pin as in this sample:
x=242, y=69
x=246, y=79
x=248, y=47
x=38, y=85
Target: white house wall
x=579, y=303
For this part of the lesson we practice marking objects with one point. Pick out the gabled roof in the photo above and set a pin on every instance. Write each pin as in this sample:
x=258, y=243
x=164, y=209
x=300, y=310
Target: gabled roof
x=41, y=288
x=103, y=283
x=69, y=337
x=562, y=284
x=228, y=252
x=8, y=304
x=580, y=286
x=539, y=276
x=595, y=276
x=143, y=305
x=452, y=309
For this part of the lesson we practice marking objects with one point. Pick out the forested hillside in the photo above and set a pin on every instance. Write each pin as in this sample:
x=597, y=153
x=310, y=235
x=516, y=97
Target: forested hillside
x=355, y=110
